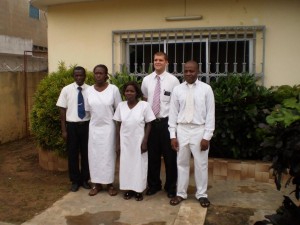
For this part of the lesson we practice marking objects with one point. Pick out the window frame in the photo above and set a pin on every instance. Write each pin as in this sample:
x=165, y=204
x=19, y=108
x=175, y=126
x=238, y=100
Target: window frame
x=251, y=38
x=34, y=12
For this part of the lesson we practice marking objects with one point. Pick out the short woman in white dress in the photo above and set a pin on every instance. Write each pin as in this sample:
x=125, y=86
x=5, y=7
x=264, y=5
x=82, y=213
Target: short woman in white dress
x=102, y=100
x=133, y=126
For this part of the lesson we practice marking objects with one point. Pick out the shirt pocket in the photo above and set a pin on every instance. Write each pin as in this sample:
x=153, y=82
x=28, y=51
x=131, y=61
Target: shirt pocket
x=166, y=96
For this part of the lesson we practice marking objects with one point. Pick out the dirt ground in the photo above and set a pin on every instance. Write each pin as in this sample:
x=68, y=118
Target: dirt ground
x=27, y=190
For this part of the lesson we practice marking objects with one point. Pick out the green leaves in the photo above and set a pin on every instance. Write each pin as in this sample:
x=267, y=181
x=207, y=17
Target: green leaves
x=241, y=105
x=282, y=135
x=285, y=113
x=44, y=118
x=121, y=78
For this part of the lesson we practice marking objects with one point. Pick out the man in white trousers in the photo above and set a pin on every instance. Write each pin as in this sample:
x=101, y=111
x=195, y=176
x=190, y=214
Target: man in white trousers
x=191, y=126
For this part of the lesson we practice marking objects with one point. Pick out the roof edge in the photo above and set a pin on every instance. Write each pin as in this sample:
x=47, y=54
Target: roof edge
x=44, y=4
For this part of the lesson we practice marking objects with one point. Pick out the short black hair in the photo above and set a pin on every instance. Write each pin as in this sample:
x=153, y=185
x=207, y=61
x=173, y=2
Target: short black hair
x=139, y=93
x=79, y=68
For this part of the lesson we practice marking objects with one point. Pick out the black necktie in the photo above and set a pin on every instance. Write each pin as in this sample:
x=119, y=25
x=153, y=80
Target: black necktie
x=81, y=110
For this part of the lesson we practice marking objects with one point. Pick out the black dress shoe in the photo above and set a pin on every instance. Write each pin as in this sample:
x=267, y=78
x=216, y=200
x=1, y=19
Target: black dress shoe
x=74, y=187
x=86, y=185
x=152, y=191
x=171, y=194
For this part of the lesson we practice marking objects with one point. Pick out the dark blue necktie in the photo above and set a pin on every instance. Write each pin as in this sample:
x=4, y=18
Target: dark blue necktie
x=81, y=110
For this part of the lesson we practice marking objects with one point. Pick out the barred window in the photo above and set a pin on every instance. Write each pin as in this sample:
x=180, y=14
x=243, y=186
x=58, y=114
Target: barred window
x=218, y=50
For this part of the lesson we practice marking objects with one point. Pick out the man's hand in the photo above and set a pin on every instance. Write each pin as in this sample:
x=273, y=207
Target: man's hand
x=174, y=144
x=204, y=144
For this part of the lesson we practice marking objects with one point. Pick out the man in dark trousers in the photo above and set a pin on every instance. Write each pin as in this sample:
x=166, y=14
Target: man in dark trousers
x=157, y=88
x=75, y=128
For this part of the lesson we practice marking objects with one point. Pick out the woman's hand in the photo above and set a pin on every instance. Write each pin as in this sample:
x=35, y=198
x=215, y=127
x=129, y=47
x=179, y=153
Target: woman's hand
x=144, y=147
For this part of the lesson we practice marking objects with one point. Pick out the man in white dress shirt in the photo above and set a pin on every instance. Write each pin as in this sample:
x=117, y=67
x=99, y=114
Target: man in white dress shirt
x=157, y=88
x=75, y=128
x=191, y=125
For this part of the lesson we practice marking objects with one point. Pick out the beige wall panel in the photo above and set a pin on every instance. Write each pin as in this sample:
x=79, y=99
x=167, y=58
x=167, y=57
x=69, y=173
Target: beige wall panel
x=12, y=122
x=81, y=33
x=12, y=103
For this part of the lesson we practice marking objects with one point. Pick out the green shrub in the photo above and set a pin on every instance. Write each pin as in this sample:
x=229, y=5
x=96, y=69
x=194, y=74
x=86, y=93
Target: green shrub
x=285, y=113
x=121, y=78
x=241, y=105
x=282, y=142
x=44, y=118
x=282, y=136
x=284, y=92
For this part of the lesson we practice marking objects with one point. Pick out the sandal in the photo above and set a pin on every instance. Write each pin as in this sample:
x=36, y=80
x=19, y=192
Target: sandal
x=95, y=189
x=204, y=202
x=139, y=196
x=112, y=191
x=128, y=195
x=176, y=200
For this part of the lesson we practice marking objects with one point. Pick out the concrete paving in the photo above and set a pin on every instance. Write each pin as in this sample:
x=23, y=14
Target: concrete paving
x=263, y=198
x=80, y=209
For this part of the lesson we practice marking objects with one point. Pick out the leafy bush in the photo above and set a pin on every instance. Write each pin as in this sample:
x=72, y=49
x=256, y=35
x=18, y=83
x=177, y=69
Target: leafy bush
x=241, y=105
x=45, y=120
x=284, y=92
x=121, y=78
x=282, y=139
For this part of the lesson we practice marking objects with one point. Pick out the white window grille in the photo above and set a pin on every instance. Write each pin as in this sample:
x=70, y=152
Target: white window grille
x=218, y=50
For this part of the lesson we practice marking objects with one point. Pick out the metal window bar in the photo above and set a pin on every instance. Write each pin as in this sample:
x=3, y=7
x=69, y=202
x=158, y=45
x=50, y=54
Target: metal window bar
x=200, y=57
x=244, y=62
x=226, y=62
x=175, y=55
x=217, y=50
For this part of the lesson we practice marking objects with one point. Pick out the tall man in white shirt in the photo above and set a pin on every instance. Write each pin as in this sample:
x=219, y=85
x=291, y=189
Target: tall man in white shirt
x=75, y=128
x=157, y=88
x=191, y=125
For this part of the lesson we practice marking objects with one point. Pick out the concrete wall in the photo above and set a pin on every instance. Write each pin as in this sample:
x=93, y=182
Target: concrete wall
x=81, y=33
x=12, y=103
x=14, y=45
x=15, y=22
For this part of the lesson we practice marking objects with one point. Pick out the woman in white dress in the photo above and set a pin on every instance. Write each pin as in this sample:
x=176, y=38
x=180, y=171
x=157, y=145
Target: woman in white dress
x=133, y=126
x=102, y=100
